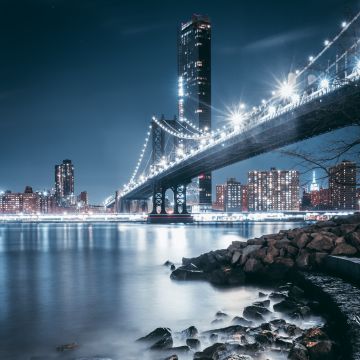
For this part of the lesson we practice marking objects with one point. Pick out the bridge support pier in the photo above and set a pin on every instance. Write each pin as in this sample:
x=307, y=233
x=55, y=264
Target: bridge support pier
x=180, y=214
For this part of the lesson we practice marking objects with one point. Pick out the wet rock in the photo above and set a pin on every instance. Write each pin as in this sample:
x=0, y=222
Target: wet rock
x=217, y=321
x=271, y=254
x=172, y=357
x=238, y=320
x=256, y=241
x=344, y=249
x=165, y=342
x=210, y=351
x=255, y=312
x=235, y=356
x=156, y=335
x=236, y=256
x=228, y=330
x=277, y=296
x=183, y=273
x=193, y=343
x=172, y=267
x=168, y=263
x=179, y=349
x=296, y=292
x=292, y=330
x=265, y=338
x=264, y=303
x=221, y=314
x=286, y=262
x=261, y=294
x=284, y=343
x=190, y=332
x=298, y=352
x=319, y=258
x=320, y=350
x=247, y=251
x=286, y=306
x=214, y=337
x=278, y=323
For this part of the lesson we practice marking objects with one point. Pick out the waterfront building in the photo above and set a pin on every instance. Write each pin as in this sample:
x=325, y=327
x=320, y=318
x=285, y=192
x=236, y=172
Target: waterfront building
x=83, y=198
x=233, y=196
x=220, y=197
x=342, y=185
x=194, y=84
x=274, y=190
x=320, y=199
x=30, y=201
x=11, y=203
x=64, y=183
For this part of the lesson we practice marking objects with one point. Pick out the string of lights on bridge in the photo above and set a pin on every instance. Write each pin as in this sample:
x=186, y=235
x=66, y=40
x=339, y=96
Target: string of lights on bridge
x=285, y=98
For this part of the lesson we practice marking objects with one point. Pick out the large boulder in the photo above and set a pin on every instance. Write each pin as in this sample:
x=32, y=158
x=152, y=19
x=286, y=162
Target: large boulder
x=189, y=332
x=183, y=273
x=322, y=241
x=354, y=239
x=320, y=350
x=344, y=249
x=298, y=352
x=253, y=312
x=286, y=306
x=303, y=260
x=193, y=343
x=160, y=338
x=253, y=265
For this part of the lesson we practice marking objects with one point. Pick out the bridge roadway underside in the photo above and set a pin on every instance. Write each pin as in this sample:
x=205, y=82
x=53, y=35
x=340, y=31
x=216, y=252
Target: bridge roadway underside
x=335, y=110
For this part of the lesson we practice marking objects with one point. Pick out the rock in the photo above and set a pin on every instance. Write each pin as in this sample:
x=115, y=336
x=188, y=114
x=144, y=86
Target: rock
x=237, y=357
x=256, y=241
x=286, y=262
x=277, y=296
x=172, y=267
x=264, y=303
x=227, y=276
x=339, y=240
x=228, y=330
x=247, y=251
x=278, y=323
x=296, y=292
x=328, y=223
x=217, y=321
x=221, y=314
x=319, y=257
x=255, y=312
x=320, y=350
x=265, y=337
x=261, y=294
x=172, y=357
x=298, y=352
x=193, y=343
x=209, y=352
x=190, y=332
x=238, y=320
x=182, y=273
x=253, y=266
x=284, y=343
x=236, y=256
x=347, y=228
x=214, y=337
x=180, y=349
x=271, y=254
x=165, y=342
x=282, y=243
x=303, y=260
x=286, y=306
x=156, y=335
x=168, y=263
x=322, y=242
x=344, y=249
x=292, y=330
x=354, y=239
x=301, y=240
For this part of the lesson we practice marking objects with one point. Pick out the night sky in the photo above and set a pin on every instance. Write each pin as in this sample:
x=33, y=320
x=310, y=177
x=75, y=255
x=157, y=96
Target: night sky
x=81, y=79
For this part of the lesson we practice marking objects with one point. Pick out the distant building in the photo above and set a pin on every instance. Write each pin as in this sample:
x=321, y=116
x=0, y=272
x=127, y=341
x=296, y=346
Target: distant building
x=233, y=196
x=320, y=199
x=342, y=186
x=194, y=83
x=27, y=202
x=274, y=190
x=220, y=197
x=314, y=185
x=11, y=202
x=358, y=198
x=64, y=182
x=83, y=198
x=306, y=200
x=30, y=202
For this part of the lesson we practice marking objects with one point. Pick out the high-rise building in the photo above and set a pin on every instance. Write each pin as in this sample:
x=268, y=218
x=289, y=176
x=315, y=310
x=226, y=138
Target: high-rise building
x=314, y=185
x=342, y=186
x=31, y=203
x=220, y=197
x=320, y=199
x=11, y=203
x=64, y=181
x=273, y=190
x=233, y=195
x=194, y=77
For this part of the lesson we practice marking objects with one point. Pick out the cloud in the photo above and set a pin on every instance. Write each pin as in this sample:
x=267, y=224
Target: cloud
x=279, y=39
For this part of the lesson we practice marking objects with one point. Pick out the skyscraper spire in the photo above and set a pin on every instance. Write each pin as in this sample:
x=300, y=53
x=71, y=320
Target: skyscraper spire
x=314, y=186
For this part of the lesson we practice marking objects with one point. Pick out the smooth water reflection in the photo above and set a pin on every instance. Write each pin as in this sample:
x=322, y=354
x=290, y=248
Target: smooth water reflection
x=103, y=285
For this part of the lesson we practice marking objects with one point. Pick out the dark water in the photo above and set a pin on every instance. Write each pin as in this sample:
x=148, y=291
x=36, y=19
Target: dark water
x=103, y=285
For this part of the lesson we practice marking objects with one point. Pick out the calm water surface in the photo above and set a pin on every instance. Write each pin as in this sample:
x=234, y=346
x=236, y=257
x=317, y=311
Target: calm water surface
x=104, y=285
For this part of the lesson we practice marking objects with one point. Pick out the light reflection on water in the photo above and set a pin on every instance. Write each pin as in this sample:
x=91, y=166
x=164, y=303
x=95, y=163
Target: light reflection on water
x=103, y=285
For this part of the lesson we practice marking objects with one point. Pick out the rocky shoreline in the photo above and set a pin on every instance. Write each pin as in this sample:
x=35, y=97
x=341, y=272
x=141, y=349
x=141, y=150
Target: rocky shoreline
x=267, y=329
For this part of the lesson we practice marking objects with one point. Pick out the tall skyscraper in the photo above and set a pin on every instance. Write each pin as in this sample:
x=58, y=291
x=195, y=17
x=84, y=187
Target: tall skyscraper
x=233, y=195
x=314, y=185
x=64, y=181
x=342, y=186
x=194, y=76
x=273, y=190
x=220, y=197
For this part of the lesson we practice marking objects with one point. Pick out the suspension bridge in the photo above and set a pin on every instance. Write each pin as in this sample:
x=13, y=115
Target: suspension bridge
x=321, y=96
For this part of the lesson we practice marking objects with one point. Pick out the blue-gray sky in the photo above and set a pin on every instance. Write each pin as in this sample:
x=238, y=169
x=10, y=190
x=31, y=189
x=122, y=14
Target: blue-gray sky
x=81, y=79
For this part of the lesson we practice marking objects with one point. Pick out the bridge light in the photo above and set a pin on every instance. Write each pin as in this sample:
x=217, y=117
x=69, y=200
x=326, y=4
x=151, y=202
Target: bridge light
x=272, y=110
x=286, y=90
x=311, y=58
x=326, y=42
x=358, y=66
x=324, y=84
x=343, y=24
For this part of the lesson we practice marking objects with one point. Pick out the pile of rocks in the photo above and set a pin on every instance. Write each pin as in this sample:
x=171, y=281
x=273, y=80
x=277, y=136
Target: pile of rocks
x=272, y=257
x=260, y=332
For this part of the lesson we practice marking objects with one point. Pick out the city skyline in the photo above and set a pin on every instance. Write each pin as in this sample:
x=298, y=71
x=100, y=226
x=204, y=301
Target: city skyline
x=84, y=93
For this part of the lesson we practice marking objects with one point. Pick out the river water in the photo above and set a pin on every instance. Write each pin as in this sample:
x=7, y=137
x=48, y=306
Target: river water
x=104, y=285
